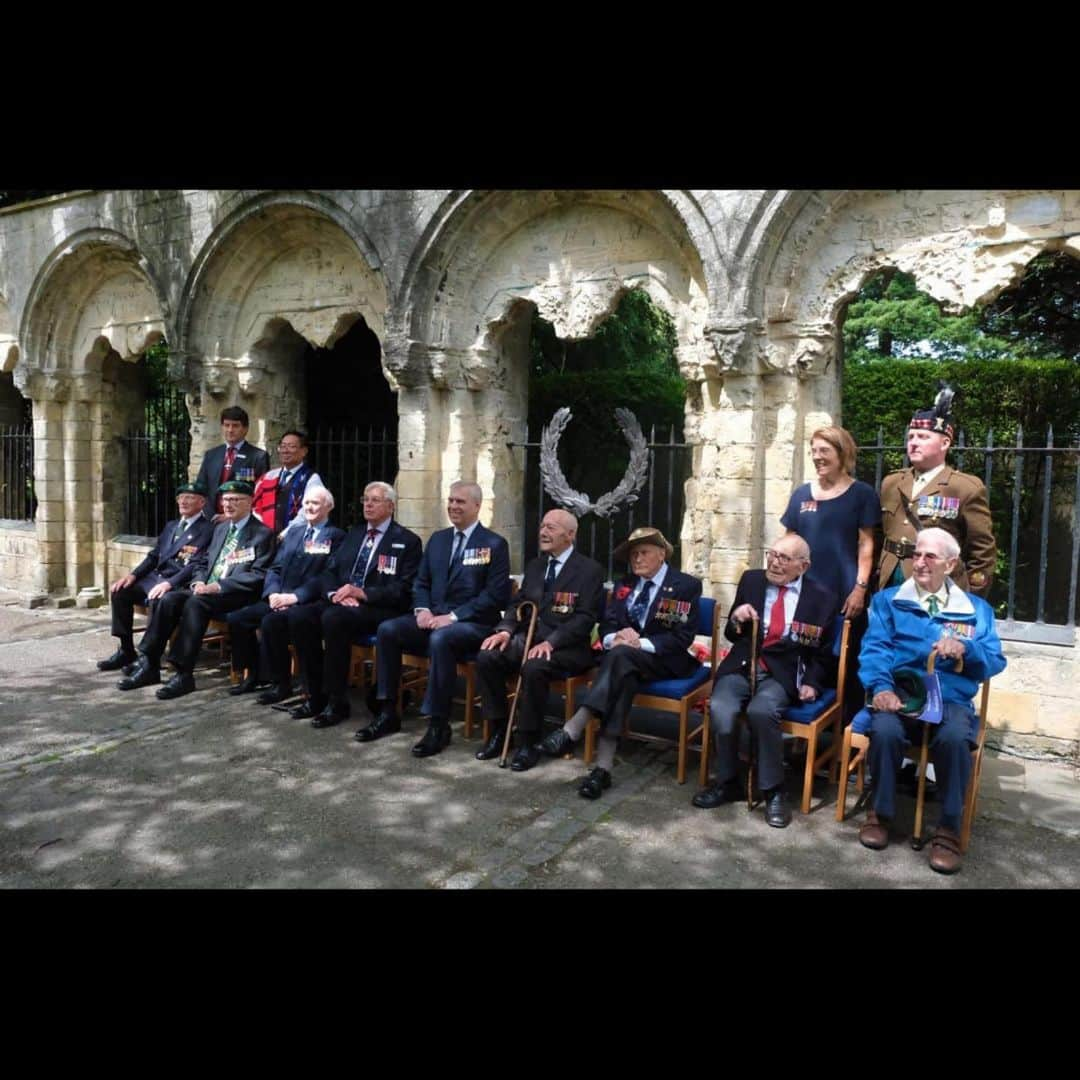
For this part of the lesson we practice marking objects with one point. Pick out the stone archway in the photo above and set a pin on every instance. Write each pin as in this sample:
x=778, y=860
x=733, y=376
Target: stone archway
x=463, y=368
x=91, y=312
x=284, y=273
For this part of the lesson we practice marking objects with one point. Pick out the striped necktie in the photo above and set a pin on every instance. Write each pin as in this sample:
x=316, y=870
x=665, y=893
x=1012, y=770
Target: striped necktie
x=226, y=550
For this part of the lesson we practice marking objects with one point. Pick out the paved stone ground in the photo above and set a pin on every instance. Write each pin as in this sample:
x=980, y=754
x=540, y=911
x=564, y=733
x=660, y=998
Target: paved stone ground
x=100, y=789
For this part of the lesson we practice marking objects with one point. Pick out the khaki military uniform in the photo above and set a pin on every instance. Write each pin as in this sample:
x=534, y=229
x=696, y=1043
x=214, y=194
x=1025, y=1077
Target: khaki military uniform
x=953, y=501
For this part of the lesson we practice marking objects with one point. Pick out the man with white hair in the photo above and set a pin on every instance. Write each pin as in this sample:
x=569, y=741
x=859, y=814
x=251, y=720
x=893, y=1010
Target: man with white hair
x=302, y=557
x=367, y=580
x=928, y=614
x=794, y=663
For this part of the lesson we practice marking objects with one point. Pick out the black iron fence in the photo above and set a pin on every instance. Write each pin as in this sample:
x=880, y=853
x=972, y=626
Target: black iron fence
x=347, y=460
x=157, y=462
x=1034, y=494
x=17, y=502
x=660, y=503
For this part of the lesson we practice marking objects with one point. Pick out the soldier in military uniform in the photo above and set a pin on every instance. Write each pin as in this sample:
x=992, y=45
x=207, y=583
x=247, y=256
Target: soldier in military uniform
x=931, y=494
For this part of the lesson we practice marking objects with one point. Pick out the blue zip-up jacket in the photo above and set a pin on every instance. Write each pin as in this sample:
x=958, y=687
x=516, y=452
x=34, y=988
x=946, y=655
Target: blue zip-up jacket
x=902, y=633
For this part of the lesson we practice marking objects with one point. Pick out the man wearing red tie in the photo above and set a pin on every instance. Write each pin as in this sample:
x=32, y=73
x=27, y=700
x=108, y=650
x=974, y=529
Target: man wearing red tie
x=796, y=625
x=235, y=459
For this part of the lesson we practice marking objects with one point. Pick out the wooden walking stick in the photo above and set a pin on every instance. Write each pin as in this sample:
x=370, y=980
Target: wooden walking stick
x=754, y=624
x=517, y=692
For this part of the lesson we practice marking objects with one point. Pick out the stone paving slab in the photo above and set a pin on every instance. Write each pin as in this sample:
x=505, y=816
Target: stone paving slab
x=100, y=789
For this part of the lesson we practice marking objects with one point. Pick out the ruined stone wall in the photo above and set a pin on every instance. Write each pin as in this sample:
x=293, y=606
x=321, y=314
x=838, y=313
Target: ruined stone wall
x=18, y=555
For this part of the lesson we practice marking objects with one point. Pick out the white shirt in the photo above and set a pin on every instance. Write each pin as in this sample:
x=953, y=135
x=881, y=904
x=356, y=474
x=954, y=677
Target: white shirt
x=658, y=580
x=791, y=601
x=560, y=561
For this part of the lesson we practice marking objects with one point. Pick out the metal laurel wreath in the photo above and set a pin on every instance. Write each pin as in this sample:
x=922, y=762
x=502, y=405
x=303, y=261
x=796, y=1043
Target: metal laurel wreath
x=627, y=490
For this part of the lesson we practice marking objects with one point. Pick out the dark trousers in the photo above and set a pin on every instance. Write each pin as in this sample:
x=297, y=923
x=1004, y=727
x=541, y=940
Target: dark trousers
x=493, y=667
x=326, y=670
x=267, y=658
x=730, y=696
x=893, y=737
x=444, y=648
x=623, y=671
x=123, y=603
x=192, y=614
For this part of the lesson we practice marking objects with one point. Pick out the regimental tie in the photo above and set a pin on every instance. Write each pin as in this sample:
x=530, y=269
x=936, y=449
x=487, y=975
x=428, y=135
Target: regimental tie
x=227, y=467
x=459, y=543
x=309, y=535
x=640, y=606
x=933, y=605
x=363, y=556
x=226, y=550
x=549, y=577
x=777, y=621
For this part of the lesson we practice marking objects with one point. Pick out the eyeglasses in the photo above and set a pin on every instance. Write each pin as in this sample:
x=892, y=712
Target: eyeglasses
x=781, y=558
x=234, y=498
x=926, y=556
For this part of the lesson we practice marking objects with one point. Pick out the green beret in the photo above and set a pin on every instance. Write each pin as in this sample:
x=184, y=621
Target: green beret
x=195, y=487
x=236, y=487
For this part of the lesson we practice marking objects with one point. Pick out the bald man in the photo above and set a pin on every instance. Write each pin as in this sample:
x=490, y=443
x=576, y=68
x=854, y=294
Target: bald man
x=568, y=590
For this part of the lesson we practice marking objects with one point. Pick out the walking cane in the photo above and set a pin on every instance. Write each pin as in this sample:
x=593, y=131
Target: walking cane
x=917, y=840
x=517, y=692
x=753, y=690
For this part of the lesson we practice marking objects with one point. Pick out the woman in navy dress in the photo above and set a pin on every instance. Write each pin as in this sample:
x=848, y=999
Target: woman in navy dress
x=837, y=516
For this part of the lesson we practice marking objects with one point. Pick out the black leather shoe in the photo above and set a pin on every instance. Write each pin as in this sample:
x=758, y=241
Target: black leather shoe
x=179, y=685
x=144, y=674
x=525, y=758
x=717, y=794
x=383, y=724
x=247, y=686
x=595, y=784
x=777, y=813
x=275, y=694
x=307, y=710
x=557, y=743
x=435, y=740
x=493, y=747
x=129, y=669
x=331, y=715
x=119, y=659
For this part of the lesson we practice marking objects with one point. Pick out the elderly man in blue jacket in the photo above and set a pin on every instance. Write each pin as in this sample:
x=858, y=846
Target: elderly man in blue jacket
x=929, y=613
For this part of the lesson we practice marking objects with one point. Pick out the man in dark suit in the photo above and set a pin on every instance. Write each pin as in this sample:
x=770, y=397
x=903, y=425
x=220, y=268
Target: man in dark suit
x=646, y=632
x=796, y=621
x=461, y=589
x=234, y=460
x=228, y=575
x=568, y=590
x=302, y=557
x=167, y=566
x=368, y=579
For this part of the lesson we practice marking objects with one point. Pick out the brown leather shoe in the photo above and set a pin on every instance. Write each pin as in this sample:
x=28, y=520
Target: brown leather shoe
x=945, y=855
x=874, y=834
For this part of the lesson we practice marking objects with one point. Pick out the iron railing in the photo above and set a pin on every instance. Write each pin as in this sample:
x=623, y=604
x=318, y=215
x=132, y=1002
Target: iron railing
x=157, y=462
x=660, y=504
x=347, y=460
x=1034, y=494
x=17, y=502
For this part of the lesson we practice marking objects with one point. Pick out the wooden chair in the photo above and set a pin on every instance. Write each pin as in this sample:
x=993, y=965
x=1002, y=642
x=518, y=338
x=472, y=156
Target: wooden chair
x=363, y=653
x=857, y=737
x=217, y=635
x=808, y=720
x=679, y=696
x=414, y=668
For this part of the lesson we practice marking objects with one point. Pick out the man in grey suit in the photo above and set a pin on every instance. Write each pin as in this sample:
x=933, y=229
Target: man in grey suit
x=460, y=591
x=236, y=459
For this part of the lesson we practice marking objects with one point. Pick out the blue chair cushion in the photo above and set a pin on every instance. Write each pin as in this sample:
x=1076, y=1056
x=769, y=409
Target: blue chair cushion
x=366, y=639
x=861, y=723
x=807, y=711
x=677, y=688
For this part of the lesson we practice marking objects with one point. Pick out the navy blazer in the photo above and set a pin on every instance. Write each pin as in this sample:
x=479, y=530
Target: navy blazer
x=808, y=644
x=672, y=622
x=247, y=576
x=477, y=590
x=292, y=566
x=390, y=576
x=573, y=608
x=248, y=457
x=171, y=560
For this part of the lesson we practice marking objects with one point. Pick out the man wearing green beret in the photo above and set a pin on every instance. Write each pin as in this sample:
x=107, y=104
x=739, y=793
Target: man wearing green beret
x=168, y=565
x=227, y=575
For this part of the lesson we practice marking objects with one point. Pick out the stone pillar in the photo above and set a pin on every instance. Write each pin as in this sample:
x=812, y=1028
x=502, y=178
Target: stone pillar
x=49, y=395
x=82, y=482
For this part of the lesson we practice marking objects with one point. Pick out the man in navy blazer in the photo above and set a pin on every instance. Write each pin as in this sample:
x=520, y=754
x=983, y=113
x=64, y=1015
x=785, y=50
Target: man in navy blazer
x=368, y=579
x=169, y=563
x=796, y=622
x=646, y=632
x=227, y=575
x=302, y=557
x=235, y=459
x=461, y=590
